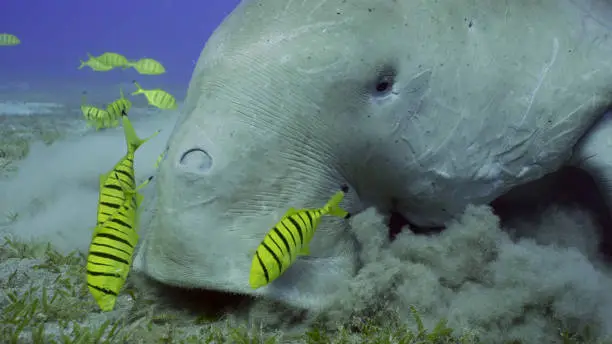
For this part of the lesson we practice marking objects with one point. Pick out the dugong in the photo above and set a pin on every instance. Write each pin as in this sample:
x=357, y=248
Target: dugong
x=421, y=107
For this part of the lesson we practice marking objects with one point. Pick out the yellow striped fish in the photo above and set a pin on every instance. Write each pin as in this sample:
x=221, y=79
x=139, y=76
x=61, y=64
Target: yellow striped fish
x=95, y=64
x=96, y=117
x=157, y=97
x=147, y=66
x=113, y=60
x=290, y=238
x=6, y=39
x=117, y=107
x=115, y=236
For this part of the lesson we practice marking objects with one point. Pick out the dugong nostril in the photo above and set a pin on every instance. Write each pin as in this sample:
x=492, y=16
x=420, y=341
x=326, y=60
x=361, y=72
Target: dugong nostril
x=196, y=160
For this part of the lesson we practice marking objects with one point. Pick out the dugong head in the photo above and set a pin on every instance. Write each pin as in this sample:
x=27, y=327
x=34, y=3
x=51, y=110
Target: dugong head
x=291, y=99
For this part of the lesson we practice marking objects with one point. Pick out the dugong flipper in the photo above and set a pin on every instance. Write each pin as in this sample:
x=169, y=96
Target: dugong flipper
x=421, y=107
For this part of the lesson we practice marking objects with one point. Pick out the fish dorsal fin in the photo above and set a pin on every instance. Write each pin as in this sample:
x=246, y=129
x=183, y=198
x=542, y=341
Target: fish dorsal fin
x=291, y=211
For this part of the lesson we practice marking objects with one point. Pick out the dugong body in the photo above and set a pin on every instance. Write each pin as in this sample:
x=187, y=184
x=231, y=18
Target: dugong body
x=421, y=107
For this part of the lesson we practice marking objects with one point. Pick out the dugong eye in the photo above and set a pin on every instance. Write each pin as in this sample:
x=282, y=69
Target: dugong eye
x=384, y=84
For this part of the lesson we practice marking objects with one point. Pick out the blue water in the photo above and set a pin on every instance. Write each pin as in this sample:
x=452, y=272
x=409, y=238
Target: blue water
x=55, y=35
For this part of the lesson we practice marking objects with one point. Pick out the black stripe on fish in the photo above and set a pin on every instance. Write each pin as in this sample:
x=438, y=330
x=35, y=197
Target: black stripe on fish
x=111, y=205
x=278, y=232
x=305, y=220
x=120, y=230
x=113, y=196
x=280, y=264
x=96, y=263
x=127, y=161
x=299, y=229
x=114, y=238
x=310, y=219
x=275, y=243
x=263, y=268
x=118, y=221
x=109, y=256
x=283, y=223
x=95, y=244
x=127, y=174
x=102, y=290
x=114, y=187
x=107, y=274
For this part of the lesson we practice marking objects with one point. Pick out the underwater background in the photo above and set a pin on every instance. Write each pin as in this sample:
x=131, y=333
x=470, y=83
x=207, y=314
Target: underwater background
x=56, y=35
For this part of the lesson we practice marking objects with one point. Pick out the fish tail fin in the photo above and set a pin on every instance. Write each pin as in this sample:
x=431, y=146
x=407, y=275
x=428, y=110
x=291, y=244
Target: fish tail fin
x=132, y=139
x=82, y=64
x=139, y=89
x=339, y=212
x=84, y=98
x=333, y=206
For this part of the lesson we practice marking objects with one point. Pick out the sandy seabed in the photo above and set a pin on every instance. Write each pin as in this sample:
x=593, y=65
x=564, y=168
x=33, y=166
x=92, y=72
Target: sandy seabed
x=536, y=280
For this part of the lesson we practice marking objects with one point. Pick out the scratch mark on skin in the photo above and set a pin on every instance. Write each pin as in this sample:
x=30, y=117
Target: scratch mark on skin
x=190, y=205
x=506, y=14
x=524, y=144
x=316, y=8
x=265, y=43
x=289, y=3
x=590, y=102
x=448, y=138
x=412, y=151
x=543, y=75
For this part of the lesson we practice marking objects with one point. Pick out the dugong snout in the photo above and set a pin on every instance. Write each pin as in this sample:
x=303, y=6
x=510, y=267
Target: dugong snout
x=217, y=197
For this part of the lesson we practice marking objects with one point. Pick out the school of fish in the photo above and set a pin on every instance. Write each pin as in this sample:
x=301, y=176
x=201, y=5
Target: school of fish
x=115, y=235
x=105, y=118
x=100, y=118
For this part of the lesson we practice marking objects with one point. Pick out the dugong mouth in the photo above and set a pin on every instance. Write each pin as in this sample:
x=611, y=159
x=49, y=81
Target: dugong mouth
x=397, y=221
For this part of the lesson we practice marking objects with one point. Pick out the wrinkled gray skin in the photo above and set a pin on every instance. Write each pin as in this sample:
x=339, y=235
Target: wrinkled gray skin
x=283, y=108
